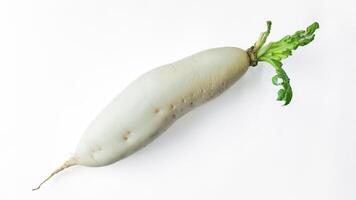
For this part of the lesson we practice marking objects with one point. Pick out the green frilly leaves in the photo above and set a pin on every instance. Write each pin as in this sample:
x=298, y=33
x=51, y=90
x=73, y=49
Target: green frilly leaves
x=274, y=52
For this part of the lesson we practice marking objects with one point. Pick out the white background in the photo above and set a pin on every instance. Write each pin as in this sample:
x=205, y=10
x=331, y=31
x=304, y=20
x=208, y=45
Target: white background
x=62, y=61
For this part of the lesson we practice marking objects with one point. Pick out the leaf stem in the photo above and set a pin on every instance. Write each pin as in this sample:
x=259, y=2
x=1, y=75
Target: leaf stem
x=263, y=37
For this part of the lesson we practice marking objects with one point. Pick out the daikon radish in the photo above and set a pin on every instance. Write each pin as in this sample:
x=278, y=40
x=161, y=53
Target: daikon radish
x=153, y=102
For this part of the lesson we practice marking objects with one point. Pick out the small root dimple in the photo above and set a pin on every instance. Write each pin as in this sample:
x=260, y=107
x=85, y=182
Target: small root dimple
x=174, y=116
x=92, y=157
x=125, y=136
x=224, y=85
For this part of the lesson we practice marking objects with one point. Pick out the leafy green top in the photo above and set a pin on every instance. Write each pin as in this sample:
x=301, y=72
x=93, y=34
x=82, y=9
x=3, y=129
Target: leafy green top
x=274, y=52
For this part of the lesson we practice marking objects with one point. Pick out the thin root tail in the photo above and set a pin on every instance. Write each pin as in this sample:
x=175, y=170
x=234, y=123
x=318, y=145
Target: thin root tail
x=70, y=162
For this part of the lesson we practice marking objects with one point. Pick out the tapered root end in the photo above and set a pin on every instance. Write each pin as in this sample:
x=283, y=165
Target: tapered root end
x=70, y=162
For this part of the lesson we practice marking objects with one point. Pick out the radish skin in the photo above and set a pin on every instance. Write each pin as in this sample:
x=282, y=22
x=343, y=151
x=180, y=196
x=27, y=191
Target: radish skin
x=153, y=102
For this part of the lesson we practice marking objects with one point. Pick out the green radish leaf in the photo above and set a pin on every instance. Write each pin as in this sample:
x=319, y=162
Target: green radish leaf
x=274, y=52
x=281, y=79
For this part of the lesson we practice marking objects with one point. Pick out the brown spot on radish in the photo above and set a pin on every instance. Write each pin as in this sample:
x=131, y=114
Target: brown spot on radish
x=174, y=116
x=126, y=135
x=172, y=106
x=191, y=103
x=157, y=110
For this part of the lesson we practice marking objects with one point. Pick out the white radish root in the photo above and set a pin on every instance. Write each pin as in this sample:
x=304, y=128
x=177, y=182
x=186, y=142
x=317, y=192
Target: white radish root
x=153, y=102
